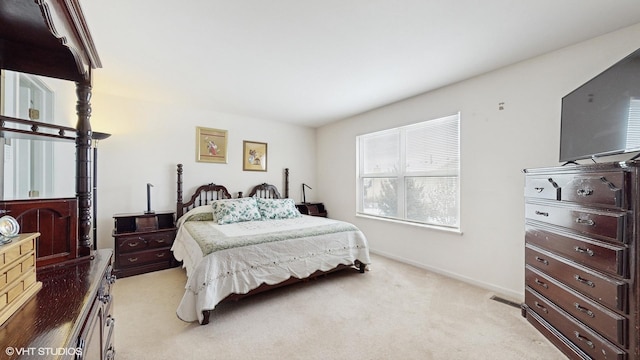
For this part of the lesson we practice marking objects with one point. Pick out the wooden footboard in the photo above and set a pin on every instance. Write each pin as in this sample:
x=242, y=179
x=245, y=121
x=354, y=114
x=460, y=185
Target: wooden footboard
x=360, y=266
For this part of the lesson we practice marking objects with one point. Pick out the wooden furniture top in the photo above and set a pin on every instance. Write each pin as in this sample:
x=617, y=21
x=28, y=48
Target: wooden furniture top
x=50, y=320
x=47, y=37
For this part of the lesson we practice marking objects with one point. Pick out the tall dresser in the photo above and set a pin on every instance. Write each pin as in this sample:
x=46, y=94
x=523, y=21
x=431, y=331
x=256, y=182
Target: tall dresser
x=581, y=258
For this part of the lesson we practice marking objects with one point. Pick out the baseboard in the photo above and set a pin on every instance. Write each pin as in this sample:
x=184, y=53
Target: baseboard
x=506, y=293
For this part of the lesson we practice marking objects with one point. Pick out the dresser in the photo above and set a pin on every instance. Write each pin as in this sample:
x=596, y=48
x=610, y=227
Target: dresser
x=17, y=274
x=143, y=242
x=71, y=317
x=581, y=258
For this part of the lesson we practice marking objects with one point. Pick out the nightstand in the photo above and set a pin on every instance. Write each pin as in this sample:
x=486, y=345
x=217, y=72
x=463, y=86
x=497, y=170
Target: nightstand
x=313, y=209
x=143, y=242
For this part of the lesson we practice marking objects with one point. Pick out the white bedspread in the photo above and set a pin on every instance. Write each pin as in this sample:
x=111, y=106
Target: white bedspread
x=239, y=270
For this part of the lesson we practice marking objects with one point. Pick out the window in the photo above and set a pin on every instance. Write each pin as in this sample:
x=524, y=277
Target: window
x=411, y=173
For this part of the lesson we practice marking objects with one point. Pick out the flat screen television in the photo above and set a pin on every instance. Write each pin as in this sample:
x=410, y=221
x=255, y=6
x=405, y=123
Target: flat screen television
x=602, y=117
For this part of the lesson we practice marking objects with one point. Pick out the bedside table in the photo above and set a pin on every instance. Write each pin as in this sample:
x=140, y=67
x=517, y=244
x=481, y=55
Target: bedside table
x=143, y=242
x=313, y=209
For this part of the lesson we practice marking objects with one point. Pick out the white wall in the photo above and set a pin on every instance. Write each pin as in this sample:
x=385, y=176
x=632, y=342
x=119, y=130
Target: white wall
x=495, y=146
x=149, y=139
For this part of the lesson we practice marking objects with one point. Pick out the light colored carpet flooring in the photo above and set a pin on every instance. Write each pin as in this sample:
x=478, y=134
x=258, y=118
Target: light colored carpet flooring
x=394, y=311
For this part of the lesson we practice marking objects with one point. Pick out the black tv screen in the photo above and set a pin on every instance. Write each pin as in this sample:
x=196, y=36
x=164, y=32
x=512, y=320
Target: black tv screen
x=602, y=117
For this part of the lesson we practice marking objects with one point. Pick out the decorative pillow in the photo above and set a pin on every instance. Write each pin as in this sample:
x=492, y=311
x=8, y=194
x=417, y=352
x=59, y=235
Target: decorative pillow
x=277, y=209
x=230, y=211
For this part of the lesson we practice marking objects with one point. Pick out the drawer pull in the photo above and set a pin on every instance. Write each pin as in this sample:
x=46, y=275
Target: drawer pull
x=133, y=244
x=160, y=255
x=584, y=281
x=584, y=340
x=542, y=213
x=584, y=192
x=588, y=222
x=538, y=189
x=541, y=260
x=584, y=310
x=132, y=259
x=584, y=251
x=539, y=306
x=160, y=241
x=541, y=283
x=104, y=298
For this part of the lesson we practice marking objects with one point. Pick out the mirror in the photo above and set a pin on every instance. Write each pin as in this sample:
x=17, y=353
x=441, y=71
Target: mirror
x=36, y=168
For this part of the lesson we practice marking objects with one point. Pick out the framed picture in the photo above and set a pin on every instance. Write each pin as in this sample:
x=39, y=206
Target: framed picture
x=211, y=145
x=254, y=156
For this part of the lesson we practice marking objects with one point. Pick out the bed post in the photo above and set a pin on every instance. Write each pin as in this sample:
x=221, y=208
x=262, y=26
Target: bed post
x=286, y=183
x=179, y=207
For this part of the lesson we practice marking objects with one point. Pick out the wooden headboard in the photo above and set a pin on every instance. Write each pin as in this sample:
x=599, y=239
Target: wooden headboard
x=265, y=191
x=203, y=195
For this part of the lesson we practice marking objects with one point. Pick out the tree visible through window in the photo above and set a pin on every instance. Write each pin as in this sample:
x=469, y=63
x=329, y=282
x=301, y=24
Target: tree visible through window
x=411, y=173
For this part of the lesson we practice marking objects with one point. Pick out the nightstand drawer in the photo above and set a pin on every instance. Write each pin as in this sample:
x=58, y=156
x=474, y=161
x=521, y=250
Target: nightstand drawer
x=144, y=257
x=138, y=242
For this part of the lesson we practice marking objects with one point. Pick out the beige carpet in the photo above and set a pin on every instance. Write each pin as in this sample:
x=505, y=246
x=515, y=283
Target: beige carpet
x=394, y=311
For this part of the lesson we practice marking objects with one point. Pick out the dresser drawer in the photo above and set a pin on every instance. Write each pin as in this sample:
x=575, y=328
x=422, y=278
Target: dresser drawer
x=584, y=338
x=608, y=323
x=144, y=257
x=597, y=189
x=606, y=290
x=597, y=255
x=608, y=225
x=138, y=242
x=557, y=339
x=541, y=187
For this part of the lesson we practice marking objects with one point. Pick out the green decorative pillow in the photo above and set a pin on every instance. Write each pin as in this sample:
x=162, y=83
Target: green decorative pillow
x=231, y=211
x=277, y=209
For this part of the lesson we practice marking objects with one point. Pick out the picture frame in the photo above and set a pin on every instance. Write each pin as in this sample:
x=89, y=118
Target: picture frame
x=211, y=145
x=254, y=156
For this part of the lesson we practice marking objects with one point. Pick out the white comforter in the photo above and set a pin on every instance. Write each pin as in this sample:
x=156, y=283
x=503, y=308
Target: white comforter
x=238, y=270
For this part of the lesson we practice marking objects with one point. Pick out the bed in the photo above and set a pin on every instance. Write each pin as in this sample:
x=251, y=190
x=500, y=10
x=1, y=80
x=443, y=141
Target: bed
x=233, y=247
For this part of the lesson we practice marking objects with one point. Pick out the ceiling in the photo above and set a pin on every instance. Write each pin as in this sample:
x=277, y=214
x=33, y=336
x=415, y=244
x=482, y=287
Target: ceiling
x=312, y=62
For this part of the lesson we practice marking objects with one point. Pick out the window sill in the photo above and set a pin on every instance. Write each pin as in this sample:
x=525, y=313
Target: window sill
x=426, y=226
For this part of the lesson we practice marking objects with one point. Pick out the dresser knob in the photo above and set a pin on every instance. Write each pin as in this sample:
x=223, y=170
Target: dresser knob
x=539, y=306
x=587, y=222
x=542, y=213
x=584, y=251
x=104, y=298
x=538, y=189
x=584, y=281
x=584, y=339
x=541, y=260
x=541, y=283
x=584, y=310
x=584, y=192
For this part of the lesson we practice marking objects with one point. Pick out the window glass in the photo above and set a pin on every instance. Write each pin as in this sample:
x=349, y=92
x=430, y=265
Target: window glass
x=426, y=188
